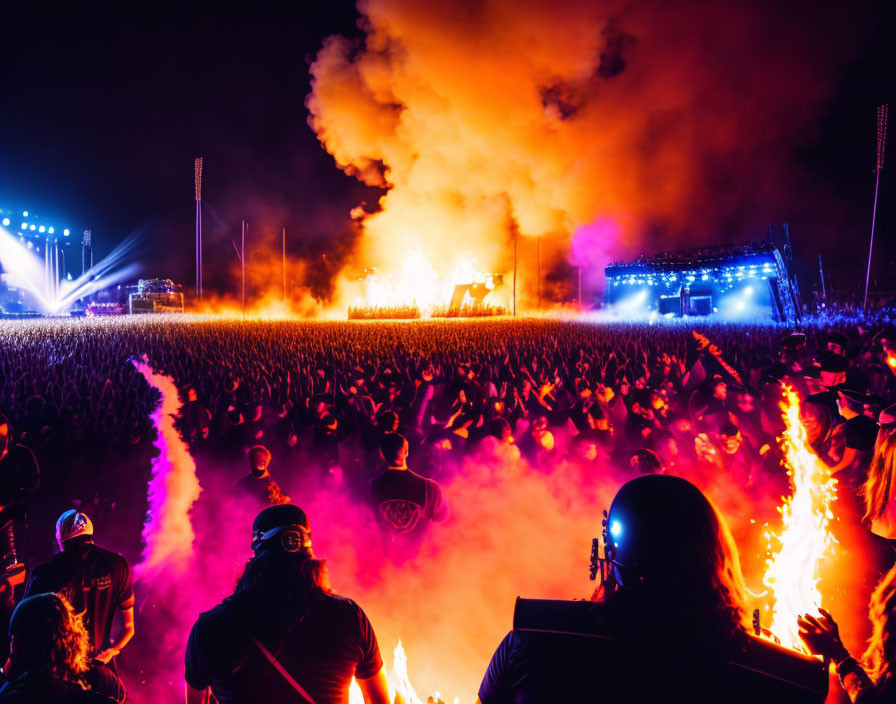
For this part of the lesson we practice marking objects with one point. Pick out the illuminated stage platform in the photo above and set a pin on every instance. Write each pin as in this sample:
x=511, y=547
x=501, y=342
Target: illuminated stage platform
x=743, y=282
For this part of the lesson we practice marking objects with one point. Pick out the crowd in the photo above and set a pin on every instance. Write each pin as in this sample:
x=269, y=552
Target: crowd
x=386, y=410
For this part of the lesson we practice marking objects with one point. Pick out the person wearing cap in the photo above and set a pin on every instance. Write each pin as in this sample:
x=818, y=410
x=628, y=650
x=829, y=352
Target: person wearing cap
x=97, y=582
x=282, y=635
x=859, y=433
x=19, y=477
x=49, y=662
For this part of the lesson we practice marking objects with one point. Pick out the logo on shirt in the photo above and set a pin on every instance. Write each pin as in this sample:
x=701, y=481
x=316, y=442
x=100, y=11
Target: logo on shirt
x=401, y=514
x=103, y=582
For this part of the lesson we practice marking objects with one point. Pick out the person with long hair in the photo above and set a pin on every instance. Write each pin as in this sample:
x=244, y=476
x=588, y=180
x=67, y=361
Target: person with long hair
x=873, y=680
x=669, y=623
x=49, y=657
x=879, y=489
x=283, y=636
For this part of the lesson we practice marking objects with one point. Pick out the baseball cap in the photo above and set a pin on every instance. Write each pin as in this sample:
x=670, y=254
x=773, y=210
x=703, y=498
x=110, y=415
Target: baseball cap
x=72, y=524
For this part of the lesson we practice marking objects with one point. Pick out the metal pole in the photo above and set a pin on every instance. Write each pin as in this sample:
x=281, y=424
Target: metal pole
x=197, y=181
x=871, y=244
x=516, y=237
x=284, y=265
x=580, y=287
x=55, y=270
x=539, y=272
x=243, y=269
x=882, y=111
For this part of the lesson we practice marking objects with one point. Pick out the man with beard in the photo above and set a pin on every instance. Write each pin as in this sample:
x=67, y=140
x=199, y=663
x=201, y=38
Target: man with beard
x=259, y=484
x=19, y=477
x=283, y=636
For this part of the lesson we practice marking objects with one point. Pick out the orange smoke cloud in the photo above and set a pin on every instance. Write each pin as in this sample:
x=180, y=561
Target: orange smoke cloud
x=476, y=117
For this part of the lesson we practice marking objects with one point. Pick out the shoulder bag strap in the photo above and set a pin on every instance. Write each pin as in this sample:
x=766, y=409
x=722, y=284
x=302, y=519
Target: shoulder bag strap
x=282, y=670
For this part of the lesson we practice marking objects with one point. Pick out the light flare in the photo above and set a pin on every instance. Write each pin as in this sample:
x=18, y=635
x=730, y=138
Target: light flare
x=25, y=269
x=805, y=540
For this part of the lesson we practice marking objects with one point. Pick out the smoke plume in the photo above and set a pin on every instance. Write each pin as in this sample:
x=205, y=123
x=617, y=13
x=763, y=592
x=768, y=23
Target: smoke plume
x=173, y=489
x=678, y=122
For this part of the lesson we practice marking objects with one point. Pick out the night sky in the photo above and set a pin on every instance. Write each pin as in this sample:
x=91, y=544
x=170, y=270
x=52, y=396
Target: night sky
x=105, y=106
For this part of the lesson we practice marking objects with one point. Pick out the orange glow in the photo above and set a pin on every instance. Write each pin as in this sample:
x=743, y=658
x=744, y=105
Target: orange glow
x=417, y=281
x=792, y=574
x=891, y=360
x=400, y=687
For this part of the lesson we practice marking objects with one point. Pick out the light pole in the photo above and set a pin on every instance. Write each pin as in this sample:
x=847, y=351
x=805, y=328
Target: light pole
x=881, y=145
x=197, y=177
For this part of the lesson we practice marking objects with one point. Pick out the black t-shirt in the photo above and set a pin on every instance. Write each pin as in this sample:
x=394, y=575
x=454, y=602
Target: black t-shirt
x=547, y=667
x=405, y=504
x=263, y=489
x=96, y=582
x=19, y=475
x=331, y=644
x=861, y=433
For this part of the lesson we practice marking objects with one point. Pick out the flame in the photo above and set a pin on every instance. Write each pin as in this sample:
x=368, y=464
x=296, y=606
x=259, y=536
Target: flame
x=792, y=574
x=416, y=282
x=400, y=687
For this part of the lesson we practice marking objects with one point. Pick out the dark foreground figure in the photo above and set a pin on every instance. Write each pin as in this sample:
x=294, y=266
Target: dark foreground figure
x=49, y=660
x=282, y=636
x=670, y=625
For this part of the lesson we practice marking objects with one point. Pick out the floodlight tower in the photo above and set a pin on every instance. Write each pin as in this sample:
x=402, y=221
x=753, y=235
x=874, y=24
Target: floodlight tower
x=86, y=252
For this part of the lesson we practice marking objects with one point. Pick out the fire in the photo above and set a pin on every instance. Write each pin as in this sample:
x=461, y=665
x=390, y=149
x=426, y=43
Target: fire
x=416, y=282
x=792, y=574
x=400, y=687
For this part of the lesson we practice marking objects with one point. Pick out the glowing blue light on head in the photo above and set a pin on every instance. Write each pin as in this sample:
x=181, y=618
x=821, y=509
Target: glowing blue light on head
x=615, y=529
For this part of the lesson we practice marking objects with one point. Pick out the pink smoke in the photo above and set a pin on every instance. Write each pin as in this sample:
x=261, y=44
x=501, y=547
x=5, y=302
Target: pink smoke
x=173, y=489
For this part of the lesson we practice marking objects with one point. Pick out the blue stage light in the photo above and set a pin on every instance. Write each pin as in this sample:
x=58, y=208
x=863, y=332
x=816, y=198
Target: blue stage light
x=615, y=529
x=24, y=225
x=41, y=229
x=66, y=232
x=50, y=230
x=5, y=222
x=25, y=214
x=33, y=227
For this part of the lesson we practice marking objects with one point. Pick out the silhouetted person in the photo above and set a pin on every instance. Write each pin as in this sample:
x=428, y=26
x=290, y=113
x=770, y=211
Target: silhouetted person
x=283, y=636
x=259, y=484
x=404, y=503
x=19, y=477
x=95, y=581
x=670, y=625
x=877, y=683
x=49, y=660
